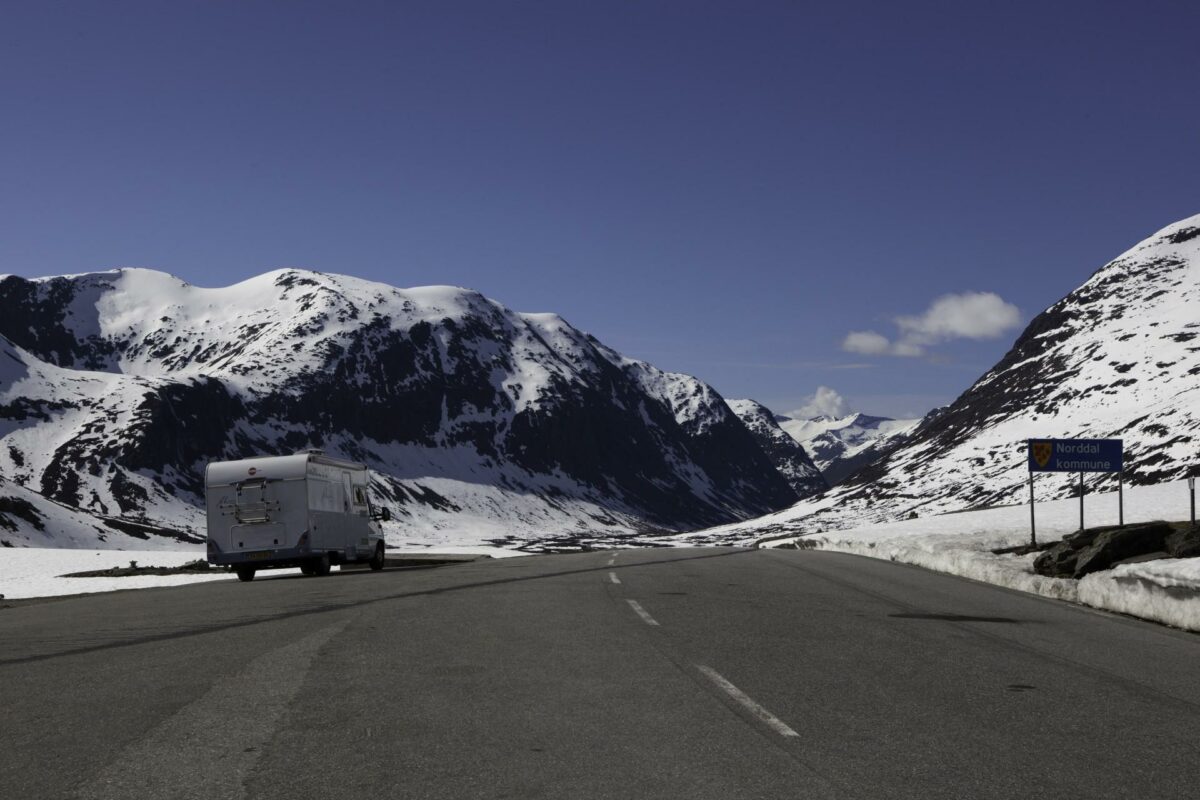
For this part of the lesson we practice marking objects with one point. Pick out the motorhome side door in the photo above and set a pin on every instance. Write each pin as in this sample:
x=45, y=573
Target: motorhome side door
x=360, y=515
x=347, y=493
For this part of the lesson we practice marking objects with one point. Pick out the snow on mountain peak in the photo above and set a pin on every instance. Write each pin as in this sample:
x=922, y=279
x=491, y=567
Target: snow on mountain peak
x=1119, y=357
x=122, y=384
x=789, y=456
x=840, y=445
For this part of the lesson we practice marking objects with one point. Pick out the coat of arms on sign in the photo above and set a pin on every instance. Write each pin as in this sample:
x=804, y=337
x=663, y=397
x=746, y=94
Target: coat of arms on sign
x=1042, y=452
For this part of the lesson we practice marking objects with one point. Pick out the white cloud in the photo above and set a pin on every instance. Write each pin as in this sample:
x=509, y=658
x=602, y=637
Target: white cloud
x=970, y=315
x=907, y=348
x=824, y=403
x=868, y=343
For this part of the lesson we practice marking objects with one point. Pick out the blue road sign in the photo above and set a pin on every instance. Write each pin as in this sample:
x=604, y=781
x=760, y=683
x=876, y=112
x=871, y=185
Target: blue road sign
x=1075, y=455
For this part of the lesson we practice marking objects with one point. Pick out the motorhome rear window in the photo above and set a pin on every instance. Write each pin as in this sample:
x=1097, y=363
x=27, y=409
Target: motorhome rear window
x=252, y=501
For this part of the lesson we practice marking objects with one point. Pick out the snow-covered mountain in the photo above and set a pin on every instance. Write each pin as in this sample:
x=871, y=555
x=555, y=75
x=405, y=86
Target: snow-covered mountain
x=481, y=423
x=1119, y=357
x=839, y=446
x=27, y=516
x=785, y=452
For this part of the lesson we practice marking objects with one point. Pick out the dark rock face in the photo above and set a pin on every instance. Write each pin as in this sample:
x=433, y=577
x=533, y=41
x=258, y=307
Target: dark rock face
x=21, y=509
x=171, y=424
x=1099, y=549
x=788, y=456
x=35, y=318
x=134, y=380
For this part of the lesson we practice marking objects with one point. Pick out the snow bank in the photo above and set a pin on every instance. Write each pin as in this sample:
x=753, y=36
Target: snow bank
x=1166, y=591
x=36, y=571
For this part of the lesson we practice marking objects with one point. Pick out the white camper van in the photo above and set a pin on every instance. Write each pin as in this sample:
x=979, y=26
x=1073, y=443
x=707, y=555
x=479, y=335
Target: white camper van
x=304, y=510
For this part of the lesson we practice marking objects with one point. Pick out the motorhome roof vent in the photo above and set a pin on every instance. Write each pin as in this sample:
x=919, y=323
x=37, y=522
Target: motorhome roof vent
x=312, y=451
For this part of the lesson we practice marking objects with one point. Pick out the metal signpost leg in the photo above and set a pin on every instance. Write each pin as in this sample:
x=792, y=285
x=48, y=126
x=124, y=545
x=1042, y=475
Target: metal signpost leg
x=1120, y=500
x=1192, y=491
x=1081, y=502
x=1032, y=521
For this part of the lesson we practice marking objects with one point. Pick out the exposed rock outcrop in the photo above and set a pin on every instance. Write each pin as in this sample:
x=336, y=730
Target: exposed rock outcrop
x=1097, y=549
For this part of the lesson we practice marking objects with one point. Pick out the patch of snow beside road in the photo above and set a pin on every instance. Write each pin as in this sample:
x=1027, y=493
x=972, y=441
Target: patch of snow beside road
x=36, y=571
x=27, y=572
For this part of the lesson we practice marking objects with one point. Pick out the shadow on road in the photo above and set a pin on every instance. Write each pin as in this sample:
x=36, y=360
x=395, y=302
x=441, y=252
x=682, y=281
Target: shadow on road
x=956, y=618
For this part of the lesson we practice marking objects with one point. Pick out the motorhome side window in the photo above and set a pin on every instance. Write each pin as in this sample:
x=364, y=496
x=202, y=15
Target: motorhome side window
x=324, y=495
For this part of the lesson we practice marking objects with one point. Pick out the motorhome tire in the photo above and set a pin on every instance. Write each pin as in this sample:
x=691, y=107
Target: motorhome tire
x=307, y=568
x=376, y=562
x=245, y=573
x=321, y=565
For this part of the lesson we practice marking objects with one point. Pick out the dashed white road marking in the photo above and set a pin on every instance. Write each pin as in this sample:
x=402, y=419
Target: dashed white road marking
x=613, y=577
x=641, y=612
x=773, y=722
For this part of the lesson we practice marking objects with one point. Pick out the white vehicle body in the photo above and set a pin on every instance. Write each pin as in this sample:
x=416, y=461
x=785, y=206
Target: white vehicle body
x=306, y=510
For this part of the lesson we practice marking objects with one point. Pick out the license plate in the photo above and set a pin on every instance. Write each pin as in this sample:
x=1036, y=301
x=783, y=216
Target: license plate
x=259, y=556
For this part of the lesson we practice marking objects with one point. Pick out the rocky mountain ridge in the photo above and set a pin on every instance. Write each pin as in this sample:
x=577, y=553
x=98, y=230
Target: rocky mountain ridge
x=116, y=388
x=840, y=446
x=1117, y=358
x=789, y=457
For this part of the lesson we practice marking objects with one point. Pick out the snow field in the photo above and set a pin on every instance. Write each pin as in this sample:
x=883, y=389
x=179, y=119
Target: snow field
x=27, y=572
x=1166, y=590
x=36, y=571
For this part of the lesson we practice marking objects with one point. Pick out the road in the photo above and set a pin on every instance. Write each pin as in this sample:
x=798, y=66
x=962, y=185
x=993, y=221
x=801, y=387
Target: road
x=718, y=673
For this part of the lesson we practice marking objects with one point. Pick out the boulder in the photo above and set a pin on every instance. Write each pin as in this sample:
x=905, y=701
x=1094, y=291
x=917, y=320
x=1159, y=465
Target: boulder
x=1112, y=546
x=1184, y=543
x=1100, y=548
x=1058, y=561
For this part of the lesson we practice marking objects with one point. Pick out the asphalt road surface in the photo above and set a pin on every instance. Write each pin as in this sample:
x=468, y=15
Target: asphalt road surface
x=717, y=673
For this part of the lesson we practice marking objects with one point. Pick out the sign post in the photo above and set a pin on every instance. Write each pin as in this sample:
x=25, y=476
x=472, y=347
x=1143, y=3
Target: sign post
x=1192, y=492
x=1081, y=502
x=1075, y=455
x=1121, y=499
x=1032, y=521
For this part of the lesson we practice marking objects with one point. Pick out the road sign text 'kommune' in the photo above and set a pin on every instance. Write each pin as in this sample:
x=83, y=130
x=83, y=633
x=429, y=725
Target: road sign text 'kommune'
x=1075, y=455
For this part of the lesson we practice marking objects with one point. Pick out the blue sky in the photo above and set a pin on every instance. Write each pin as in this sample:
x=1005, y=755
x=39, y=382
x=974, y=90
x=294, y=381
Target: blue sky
x=725, y=189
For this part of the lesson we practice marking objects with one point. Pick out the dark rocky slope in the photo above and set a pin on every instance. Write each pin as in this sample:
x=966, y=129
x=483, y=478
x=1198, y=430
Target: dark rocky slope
x=480, y=422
